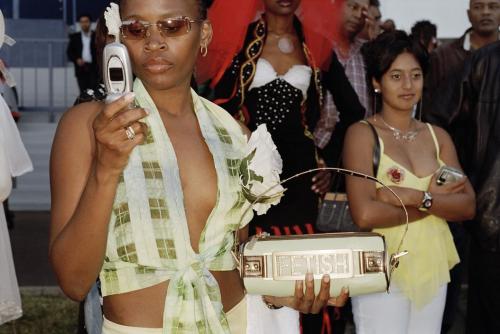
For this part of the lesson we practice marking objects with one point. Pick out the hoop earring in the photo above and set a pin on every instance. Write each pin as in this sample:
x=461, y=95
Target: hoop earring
x=203, y=50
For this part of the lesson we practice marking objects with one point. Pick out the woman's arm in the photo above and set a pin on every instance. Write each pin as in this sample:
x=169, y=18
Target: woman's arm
x=452, y=201
x=455, y=201
x=89, y=152
x=367, y=211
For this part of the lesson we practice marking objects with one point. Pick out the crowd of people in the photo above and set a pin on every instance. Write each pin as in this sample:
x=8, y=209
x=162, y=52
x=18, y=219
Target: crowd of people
x=146, y=199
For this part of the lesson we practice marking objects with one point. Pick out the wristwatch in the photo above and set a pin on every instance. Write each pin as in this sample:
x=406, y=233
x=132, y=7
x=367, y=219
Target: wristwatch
x=426, y=202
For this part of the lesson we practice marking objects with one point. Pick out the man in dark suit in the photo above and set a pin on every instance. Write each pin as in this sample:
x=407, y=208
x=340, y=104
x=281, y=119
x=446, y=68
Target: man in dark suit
x=82, y=52
x=474, y=128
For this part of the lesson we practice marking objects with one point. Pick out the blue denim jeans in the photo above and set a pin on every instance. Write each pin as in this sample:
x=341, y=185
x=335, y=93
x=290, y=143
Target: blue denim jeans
x=93, y=311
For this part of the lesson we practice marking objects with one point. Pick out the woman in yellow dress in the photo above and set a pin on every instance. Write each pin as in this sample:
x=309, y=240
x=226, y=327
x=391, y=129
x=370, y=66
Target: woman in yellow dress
x=408, y=157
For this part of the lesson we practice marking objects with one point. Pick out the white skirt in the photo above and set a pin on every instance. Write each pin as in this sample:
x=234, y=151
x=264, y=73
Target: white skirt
x=10, y=299
x=259, y=320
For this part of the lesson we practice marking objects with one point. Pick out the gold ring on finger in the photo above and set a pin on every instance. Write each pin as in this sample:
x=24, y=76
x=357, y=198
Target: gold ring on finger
x=129, y=131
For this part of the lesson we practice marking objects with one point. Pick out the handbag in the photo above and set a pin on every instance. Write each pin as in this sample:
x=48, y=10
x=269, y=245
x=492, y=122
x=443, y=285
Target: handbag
x=334, y=214
x=270, y=265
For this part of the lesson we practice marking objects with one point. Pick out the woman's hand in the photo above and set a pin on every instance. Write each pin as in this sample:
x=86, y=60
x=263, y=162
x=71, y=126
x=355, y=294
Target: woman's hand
x=307, y=302
x=322, y=181
x=447, y=188
x=372, y=24
x=113, y=143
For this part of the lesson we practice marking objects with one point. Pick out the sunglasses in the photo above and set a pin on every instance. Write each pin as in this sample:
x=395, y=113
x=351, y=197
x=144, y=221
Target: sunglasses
x=173, y=27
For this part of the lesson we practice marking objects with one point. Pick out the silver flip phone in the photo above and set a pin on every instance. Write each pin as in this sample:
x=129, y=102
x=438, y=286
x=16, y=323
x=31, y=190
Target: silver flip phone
x=448, y=174
x=117, y=76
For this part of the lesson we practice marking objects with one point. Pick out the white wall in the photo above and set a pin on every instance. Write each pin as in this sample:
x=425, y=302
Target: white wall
x=449, y=15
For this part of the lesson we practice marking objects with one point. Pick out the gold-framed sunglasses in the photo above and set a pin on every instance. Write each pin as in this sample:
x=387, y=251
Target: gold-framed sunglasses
x=172, y=27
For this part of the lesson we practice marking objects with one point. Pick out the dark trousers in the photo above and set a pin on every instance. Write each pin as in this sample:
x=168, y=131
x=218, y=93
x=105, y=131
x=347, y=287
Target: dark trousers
x=460, y=237
x=483, y=307
x=315, y=324
x=87, y=77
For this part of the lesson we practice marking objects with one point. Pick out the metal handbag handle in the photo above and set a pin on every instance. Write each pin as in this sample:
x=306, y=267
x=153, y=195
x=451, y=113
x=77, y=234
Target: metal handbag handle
x=394, y=259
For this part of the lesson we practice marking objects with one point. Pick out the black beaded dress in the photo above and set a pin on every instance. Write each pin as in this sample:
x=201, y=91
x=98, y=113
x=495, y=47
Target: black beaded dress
x=289, y=106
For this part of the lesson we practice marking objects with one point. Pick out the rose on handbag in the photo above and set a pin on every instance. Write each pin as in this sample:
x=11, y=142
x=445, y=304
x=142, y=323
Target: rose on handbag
x=260, y=171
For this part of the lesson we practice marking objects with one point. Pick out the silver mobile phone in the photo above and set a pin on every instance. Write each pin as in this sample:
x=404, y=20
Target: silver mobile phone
x=448, y=174
x=117, y=68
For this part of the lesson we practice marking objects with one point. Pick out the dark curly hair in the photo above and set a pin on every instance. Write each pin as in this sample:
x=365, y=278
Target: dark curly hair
x=380, y=53
x=424, y=32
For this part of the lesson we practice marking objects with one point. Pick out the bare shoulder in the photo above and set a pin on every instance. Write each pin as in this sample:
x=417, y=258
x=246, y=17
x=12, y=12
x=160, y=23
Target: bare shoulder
x=75, y=128
x=84, y=113
x=360, y=132
x=78, y=119
x=358, y=148
x=442, y=136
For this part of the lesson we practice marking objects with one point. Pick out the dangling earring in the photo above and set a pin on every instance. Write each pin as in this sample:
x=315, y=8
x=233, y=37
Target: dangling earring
x=204, y=50
x=376, y=91
x=420, y=110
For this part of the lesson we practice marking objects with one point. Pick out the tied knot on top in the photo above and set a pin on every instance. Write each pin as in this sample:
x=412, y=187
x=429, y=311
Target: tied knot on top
x=197, y=268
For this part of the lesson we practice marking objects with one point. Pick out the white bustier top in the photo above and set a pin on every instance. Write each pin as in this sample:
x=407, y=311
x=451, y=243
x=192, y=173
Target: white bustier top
x=299, y=76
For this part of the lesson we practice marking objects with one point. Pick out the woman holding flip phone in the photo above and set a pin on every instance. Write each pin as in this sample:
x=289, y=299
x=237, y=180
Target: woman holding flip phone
x=143, y=194
x=418, y=161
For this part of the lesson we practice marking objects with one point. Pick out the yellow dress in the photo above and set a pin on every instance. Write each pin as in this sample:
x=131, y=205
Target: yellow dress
x=432, y=252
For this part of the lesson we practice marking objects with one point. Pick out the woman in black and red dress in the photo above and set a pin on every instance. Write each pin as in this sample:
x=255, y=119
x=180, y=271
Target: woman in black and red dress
x=275, y=79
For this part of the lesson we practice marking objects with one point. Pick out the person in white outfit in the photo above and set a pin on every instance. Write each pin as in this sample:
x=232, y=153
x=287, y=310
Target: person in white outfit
x=14, y=161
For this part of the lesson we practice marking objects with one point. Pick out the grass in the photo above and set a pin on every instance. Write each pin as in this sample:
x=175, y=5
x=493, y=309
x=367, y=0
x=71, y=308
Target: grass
x=44, y=313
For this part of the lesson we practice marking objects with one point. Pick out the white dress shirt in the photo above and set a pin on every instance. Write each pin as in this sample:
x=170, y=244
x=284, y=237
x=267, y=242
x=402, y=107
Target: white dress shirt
x=86, y=53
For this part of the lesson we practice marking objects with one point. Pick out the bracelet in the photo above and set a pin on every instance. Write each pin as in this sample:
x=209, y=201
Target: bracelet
x=270, y=305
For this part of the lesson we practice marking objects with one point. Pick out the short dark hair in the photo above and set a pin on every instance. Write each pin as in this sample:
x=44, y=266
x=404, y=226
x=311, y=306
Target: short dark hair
x=202, y=7
x=375, y=3
x=380, y=53
x=424, y=31
x=85, y=15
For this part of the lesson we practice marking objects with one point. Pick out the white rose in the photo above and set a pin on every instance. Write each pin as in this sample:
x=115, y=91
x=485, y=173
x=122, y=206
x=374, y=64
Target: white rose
x=267, y=159
x=260, y=170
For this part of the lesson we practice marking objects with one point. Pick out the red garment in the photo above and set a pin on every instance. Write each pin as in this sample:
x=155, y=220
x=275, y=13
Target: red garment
x=230, y=20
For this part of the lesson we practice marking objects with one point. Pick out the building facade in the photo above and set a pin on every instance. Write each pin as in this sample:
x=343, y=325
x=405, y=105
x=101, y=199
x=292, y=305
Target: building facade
x=51, y=9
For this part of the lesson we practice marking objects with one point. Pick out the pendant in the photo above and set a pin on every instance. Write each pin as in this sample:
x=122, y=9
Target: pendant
x=285, y=45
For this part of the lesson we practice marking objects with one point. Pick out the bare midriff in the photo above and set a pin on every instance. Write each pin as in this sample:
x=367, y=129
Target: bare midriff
x=144, y=308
